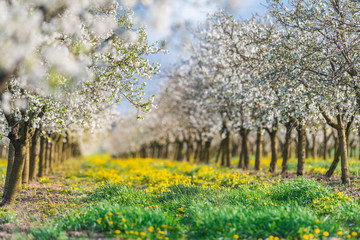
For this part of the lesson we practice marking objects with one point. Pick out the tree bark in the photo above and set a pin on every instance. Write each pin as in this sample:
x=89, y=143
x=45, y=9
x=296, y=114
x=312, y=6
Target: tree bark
x=11, y=156
x=245, y=148
x=19, y=137
x=286, y=151
x=26, y=169
x=259, y=141
x=273, y=139
x=314, y=147
x=227, y=150
x=345, y=174
x=51, y=156
x=179, y=155
x=207, y=151
x=34, y=153
x=334, y=163
x=301, y=129
x=42, y=156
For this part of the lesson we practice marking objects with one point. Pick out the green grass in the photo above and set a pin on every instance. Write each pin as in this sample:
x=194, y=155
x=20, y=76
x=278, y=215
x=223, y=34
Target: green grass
x=285, y=210
x=229, y=206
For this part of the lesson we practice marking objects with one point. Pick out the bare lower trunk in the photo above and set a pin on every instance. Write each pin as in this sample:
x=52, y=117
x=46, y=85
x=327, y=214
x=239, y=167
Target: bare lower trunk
x=219, y=152
x=34, y=152
x=51, y=156
x=345, y=174
x=245, y=148
x=42, y=156
x=334, y=163
x=286, y=151
x=301, y=150
x=179, y=155
x=227, y=149
x=11, y=156
x=19, y=138
x=189, y=149
x=314, y=147
x=207, y=151
x=240, y=163
x=273, y=162
x=259, y=141
x=26, y=169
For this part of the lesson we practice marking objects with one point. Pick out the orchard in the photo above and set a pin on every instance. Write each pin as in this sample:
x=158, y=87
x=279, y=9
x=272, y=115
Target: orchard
x=253, y=132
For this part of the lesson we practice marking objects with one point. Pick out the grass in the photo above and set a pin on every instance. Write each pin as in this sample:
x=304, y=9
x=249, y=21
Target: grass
x=157, y=199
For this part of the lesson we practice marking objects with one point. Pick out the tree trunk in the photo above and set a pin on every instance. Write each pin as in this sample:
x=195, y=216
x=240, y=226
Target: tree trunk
x=42, y=156
x=301, y=149
x=19, y=137
x=223, y=145
x=307, y=152
x=219, y=151
x=334, y=163
x=286, y=151
x=34, y=152
x=179, y=156
x=240, y=163
x=227, y=149
x=51, y=156
x=245, y=148
x=259, y=141
x=207, y=151
x=1, y=150
x=273, y=162
x=189, y=149
x=314, y=147
x=11, y=156
x=345, y=174
x=25, y=172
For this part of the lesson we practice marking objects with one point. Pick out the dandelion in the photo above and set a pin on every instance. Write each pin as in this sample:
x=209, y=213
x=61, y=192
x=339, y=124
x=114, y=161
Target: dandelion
x=236, y=236
x=151, y=229
x=317, y=231
x=99, y=220
x=340, y=233
x=326, y=233
x=110, y=214
x=117, y=231
x=124, y=220
x=354, y=234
